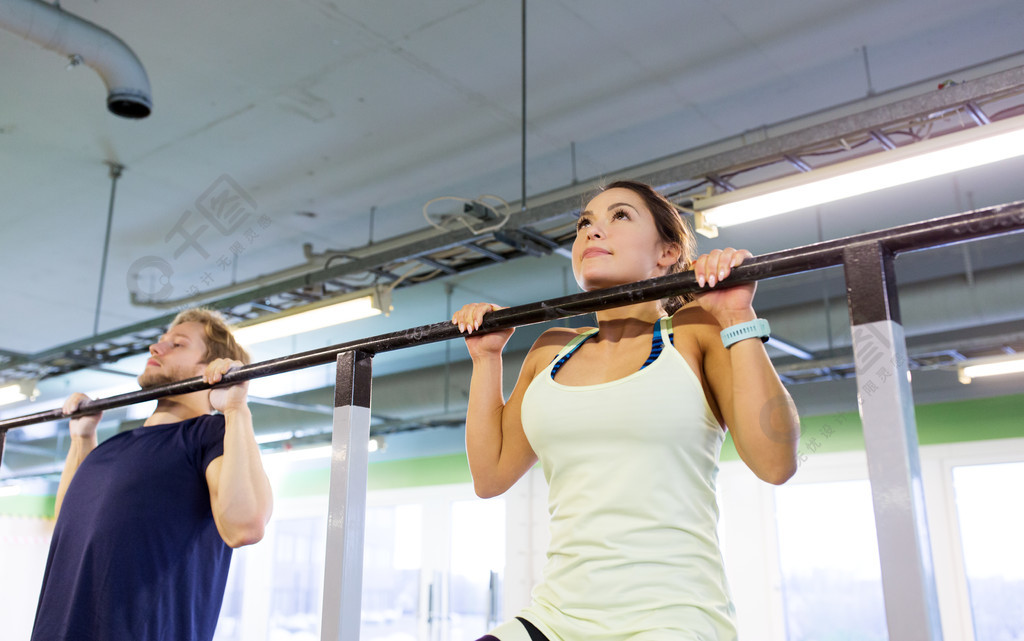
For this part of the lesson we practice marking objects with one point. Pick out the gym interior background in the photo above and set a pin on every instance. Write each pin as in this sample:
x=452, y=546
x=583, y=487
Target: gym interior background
x=264, y=157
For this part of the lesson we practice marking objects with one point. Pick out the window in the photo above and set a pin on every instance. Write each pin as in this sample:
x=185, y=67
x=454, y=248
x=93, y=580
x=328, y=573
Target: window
x=477, y=564
x=297, y=568
x=991, y=524
x=432, y=565
x=828, y=557
x=392, y=564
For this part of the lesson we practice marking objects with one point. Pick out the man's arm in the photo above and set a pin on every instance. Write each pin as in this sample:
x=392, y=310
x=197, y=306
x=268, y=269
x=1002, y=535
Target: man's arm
x=83, y=441
x=240, y=493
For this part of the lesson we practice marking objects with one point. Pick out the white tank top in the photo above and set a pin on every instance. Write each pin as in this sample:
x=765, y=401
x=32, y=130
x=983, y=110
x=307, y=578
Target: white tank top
x=631, y=467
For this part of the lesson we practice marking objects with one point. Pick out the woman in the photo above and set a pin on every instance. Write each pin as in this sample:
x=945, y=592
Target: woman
x=628, y=419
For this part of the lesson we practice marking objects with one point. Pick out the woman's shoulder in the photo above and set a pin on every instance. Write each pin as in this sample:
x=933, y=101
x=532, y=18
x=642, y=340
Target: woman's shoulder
x=559, y=337
x=553, y=340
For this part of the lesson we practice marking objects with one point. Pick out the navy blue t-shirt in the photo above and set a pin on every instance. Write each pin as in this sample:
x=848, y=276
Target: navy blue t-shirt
x=135, y=552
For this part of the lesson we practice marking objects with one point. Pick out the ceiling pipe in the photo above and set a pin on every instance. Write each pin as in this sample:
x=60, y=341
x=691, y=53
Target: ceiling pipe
x=82, y=42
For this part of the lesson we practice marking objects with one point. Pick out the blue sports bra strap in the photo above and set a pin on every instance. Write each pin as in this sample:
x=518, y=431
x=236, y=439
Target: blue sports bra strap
x=567, y=351
x=662, y=329
x=575, y=343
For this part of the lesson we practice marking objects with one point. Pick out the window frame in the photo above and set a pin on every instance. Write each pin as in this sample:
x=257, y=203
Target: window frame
x=750, y=546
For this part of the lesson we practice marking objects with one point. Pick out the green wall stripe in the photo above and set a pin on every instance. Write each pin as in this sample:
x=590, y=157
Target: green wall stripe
x=386, y=475
x=953, y=422
x=976, y=420
x=937, y=423
x=435, y=470
x=37, y=506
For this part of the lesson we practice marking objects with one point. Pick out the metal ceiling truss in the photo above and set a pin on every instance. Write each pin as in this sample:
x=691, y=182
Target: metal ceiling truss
x=547, y=223
x=944, y=355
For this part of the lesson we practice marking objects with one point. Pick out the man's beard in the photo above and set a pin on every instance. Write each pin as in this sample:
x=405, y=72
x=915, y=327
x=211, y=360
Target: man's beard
x=148, y=379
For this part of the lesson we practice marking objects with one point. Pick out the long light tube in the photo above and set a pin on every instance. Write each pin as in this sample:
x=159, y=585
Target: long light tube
x=17, y=392
x=994, y=366
x=307, y=318
x=9, y=490
x=946, y=154
x=11, y=394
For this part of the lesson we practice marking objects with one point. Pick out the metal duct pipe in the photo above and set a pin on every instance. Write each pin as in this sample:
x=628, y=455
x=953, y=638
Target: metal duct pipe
x=83, y=42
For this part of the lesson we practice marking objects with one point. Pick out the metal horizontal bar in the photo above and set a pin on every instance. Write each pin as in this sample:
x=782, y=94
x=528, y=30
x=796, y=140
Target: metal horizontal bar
x=915, y=236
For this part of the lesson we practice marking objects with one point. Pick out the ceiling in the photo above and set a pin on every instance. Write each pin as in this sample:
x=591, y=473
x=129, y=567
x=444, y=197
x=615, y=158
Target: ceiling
x=336, y=123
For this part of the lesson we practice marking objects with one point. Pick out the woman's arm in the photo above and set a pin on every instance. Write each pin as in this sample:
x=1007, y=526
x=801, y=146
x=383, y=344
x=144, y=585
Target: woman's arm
x=496, y=445
x=755, y=406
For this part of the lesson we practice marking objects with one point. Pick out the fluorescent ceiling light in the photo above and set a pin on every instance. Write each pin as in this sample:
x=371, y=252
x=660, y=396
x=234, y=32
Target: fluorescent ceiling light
x=946, y=154
x=10, y=490
x=11, y=394
x=263, y=439
x=377, y=444
x=994, y=366
x=307, y=318
x=789, y=348
x=17, y=392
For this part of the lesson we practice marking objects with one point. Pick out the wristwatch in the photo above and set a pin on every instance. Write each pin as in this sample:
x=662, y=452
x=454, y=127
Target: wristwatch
x=758, y=328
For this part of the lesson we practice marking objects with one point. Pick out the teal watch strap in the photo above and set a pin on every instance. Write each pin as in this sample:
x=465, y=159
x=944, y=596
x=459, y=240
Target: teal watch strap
x=757, y=328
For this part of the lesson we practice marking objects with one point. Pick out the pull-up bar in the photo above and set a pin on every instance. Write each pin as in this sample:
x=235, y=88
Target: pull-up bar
x=890, y=433
x=916, y=236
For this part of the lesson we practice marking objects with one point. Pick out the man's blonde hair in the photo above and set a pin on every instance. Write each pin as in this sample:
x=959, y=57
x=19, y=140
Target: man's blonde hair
x=220, y=343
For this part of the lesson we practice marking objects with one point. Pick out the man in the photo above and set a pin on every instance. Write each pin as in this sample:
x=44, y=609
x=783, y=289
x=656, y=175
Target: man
x=147, y=519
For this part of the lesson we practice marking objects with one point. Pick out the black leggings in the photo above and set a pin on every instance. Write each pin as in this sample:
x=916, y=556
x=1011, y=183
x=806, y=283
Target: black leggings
x=535, y=634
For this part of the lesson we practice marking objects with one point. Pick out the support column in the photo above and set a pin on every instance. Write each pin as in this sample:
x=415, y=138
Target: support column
x=890, y=439
x=343, y=573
